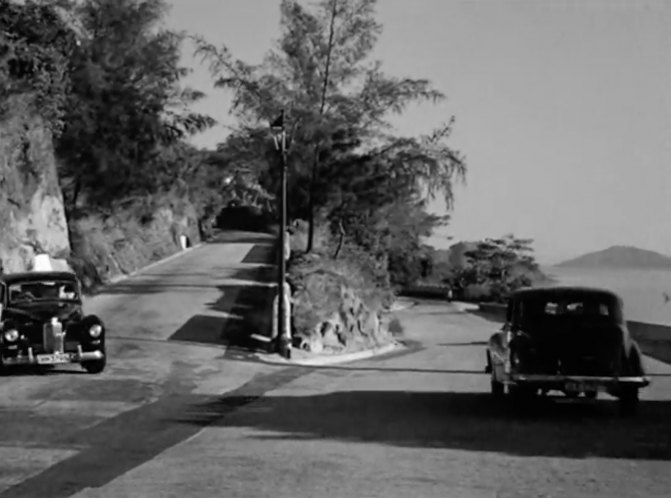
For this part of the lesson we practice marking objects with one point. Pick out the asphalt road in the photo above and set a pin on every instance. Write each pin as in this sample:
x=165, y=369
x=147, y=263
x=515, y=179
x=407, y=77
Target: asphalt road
x=64, y=430
x=174, y=419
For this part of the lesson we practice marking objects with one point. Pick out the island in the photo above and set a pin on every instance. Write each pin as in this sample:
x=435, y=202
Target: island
x=620, y=257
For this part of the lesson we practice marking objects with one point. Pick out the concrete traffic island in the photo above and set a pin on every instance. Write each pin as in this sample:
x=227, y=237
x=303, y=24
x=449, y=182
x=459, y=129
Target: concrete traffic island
x=306, y=358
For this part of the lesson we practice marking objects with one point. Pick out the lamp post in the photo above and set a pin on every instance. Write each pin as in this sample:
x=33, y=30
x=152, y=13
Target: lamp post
x=280, y=138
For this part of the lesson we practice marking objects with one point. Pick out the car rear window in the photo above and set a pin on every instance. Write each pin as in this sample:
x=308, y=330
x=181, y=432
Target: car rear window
x=587, y=308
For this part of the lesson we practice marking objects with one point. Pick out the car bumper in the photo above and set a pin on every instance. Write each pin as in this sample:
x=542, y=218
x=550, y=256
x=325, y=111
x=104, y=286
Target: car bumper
x=577, y=382
x=55, y=358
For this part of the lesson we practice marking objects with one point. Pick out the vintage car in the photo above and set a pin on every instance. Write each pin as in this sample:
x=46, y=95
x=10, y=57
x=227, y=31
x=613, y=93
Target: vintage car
x=573, y=340
x=42, y=322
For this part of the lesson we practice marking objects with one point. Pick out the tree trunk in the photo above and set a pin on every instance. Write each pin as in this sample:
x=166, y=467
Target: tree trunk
x=322, y=105
x=340, y=240
x=76, y=190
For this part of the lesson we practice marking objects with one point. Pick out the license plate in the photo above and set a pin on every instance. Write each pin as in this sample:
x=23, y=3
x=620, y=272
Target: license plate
x=52, y=359
x=578, y=387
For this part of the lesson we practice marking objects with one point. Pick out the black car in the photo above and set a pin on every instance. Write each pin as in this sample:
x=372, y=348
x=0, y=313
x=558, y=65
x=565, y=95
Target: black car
x=42, y=322
x=572, y=340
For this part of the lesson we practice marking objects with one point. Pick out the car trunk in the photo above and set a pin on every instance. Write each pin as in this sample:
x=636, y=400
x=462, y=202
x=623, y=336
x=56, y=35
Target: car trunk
x=572, y=347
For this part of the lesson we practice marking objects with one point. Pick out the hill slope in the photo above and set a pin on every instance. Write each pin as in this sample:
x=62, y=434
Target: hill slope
x=620, y=257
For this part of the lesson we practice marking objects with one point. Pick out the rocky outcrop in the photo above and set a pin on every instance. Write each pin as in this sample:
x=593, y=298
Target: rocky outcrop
x=330, y=312
x=32, y=217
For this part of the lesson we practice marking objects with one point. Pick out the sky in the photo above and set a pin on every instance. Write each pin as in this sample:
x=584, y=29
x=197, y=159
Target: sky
x=563, y=109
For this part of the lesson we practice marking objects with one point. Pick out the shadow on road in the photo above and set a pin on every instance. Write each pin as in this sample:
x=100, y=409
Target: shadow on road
x=453, y=344
x=244, y=304
x=31, y=370
x=459, y=420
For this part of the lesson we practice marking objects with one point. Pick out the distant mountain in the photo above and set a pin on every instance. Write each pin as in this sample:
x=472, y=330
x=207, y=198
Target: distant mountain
x=620, y=257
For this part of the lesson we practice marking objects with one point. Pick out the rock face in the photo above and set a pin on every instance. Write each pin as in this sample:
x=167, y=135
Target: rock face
x=329, y=315
x=32, y=217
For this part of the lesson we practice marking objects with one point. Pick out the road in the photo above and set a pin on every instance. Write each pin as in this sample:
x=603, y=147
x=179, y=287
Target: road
x=172, y=418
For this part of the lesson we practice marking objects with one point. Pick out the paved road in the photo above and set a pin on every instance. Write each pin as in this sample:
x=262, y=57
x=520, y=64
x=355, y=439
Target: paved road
x=63, y=430
x=418, y=424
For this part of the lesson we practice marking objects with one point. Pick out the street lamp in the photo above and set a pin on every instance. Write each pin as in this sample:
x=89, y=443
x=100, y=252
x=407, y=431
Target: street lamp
x=280, y=138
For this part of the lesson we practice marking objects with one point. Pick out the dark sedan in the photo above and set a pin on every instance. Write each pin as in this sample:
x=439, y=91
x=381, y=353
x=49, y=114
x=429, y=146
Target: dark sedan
x=42, y=322
x=571, y=340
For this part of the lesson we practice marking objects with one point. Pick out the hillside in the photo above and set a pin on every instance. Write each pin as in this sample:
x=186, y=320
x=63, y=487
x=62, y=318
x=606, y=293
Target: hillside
x=620, y=257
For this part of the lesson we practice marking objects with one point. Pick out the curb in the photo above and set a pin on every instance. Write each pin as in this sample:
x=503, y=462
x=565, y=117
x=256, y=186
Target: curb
x=402, y=306
x=120, y=278
x=462, y=306
x=334, y=359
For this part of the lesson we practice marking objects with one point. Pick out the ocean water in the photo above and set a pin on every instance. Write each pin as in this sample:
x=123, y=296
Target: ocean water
x=641, y=290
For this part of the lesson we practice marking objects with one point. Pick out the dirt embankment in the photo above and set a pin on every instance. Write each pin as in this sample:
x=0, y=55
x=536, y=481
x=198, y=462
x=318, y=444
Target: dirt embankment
x=105, y=247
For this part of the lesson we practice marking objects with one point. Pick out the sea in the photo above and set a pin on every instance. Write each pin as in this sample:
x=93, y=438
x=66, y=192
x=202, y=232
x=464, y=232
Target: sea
x=646, y=293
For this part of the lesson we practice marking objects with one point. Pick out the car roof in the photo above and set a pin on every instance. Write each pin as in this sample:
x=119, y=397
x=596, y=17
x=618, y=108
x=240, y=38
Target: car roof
x=569, y=290
x=34, y=276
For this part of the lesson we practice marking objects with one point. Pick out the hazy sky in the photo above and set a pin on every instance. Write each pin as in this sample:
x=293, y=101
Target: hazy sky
x=563, y=108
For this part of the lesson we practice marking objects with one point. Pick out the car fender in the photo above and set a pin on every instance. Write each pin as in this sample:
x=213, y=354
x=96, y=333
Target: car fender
x=635, y=361
x=90, y=320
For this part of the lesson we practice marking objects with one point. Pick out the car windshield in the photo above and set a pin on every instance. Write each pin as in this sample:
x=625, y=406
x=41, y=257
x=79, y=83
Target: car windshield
x=42, y=290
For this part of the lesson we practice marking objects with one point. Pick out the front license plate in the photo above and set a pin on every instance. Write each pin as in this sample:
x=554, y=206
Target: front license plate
x=53, y=359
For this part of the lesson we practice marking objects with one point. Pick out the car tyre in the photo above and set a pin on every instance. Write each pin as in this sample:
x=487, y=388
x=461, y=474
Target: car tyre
x=591, y=394
x=629, y=401
x=95, y=366
x=522, y=398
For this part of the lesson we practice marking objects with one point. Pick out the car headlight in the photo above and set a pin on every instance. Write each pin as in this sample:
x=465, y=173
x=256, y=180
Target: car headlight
x=11, y=335
x=95, y=330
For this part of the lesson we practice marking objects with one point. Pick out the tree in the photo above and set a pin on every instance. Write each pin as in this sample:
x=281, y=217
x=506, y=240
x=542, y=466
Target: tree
x=126, y=107
x=35, y=43
x=339, y=101
x=503, y=264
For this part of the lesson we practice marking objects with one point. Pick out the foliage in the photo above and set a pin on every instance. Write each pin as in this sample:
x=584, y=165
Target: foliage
x=106, y=76
x=126, y=112
x=347, y=168
x=503, y=265
x=35, y=43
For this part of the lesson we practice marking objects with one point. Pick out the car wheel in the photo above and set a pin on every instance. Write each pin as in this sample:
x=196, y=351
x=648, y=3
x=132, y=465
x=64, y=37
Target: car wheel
x=522, y=397
x=497, y=388
x=95, y=366
x=591, y=394
x=629, y=401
